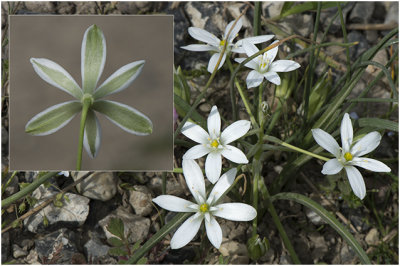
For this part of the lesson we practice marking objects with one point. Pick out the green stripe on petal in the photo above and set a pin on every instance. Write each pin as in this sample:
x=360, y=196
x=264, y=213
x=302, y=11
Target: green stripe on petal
x=57, y=76
x=92, y=137
x=124, y=116
x=93, y=57
x=53, y=118
x=120, y=80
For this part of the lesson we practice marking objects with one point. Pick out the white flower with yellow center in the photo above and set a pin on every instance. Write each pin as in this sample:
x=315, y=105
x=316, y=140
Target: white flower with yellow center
x=349, y=155
x=215, y=44
x=214, y=143
x=204, y=208
x=263, y=65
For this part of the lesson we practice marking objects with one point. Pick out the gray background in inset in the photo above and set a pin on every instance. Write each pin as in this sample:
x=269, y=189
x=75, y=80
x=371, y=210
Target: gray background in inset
x=59, y=38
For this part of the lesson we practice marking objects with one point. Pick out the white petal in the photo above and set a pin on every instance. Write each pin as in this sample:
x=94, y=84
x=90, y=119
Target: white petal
x=283, y=66
x=250, y=48
x=234, y=154
x=356, y=181
x=173, y=203
x=370, y=164
x=346, y=132
x=199, y=47
x=214, y=123
x=195, y=132
x=251, y=64
x=194, y=179
x=273, y=77
x=214, y=60
x=196, y=152
x=326, y=141
x=204, y=36
x=234, y=31
x=224, y=182
x=235, y=131
x=254, y=79
x=186, y=232
x=271, y=54
x=367, y=144
x=213, y=166
x=331, y=167
x=214, y=232
x=235, y=211
x=255, y=39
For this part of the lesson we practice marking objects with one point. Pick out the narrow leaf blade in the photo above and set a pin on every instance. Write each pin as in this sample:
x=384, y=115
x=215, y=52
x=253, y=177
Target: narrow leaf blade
x=125, y=117
x=92, y=136
x=53, y=118
x=379, y=123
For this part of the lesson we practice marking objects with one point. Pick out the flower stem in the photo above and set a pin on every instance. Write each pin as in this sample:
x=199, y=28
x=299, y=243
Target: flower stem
x=246, y=104
x=85, y=109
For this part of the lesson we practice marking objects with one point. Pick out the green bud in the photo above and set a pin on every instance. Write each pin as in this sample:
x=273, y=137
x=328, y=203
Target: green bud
x=257, y=247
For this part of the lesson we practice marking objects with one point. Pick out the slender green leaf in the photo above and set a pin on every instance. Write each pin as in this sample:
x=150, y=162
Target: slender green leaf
x=57, y=76
x=92, y=137
x=183, y=107
x=373, y=100
x=53, y=118
x=306, y=6
x=125, y=117
x=93, y=57
x=379, y=123
x=329, y=218
x=120, y=80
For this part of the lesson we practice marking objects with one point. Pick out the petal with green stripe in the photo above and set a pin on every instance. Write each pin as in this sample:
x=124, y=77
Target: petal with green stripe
x=92, y=136
x=57, y=76
x=120, y=80
x=125, y=117
x=93, y=58
x=53, y=118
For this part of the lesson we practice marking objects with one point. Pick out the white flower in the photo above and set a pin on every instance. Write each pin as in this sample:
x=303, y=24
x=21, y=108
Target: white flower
x=64, y=173
x=214, y=143
x=348, y=156
x=204, y=209
x=263, y=65
x=215, y=44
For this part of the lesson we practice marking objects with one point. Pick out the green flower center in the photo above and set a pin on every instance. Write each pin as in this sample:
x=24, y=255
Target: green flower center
x=204, y=207
x=214, y=143
x=348, y=156
x=88, y=98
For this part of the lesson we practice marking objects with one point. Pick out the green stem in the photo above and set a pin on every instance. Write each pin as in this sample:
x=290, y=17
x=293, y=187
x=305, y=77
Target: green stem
x=27, y=190
x=85, y=108
x=246, y=103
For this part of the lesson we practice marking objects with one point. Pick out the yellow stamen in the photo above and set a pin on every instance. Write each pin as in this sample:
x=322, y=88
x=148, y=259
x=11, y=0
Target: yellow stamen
x=214, y=144
x=204, y=207
x=348, y=156
x=222, y=43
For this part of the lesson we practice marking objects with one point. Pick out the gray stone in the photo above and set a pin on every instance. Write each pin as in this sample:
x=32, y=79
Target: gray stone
x=40, y=6
x=86, y=8
x=127, y=7
x=27, y=244
x=173, y=187
x=32, y=257
x=13, y=186
x=272, y=9
x=346, y=255
x=4, y=140
x=5, y=246
x=314, y=217
x=320, y=248
x=233, y=230
x=135, y=226
x=230, y=248
x=18, y=252
x=98, y=186
x=372, y=238
x=285, y=259
x=362, y=12
x=361, y=47
x=72, y=213
x=65, y=8
x=392, y=14
x=95, y=251
x=328, y=14
x=141, y=200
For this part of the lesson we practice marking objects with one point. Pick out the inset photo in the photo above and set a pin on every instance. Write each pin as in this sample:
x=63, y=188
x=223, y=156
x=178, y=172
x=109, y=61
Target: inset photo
x=91, y=93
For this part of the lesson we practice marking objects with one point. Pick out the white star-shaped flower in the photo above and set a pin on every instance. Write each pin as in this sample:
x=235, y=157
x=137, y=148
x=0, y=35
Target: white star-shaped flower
x=204, y=208
x=349, y=155
x=263, y=65
x=214, y=143
x=215, y=44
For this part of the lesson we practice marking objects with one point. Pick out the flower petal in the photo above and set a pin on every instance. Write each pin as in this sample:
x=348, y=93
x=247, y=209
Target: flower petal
x=346, y=133
x=254, y=79
x=235, y=131
x=195, y=133
x=214, y=123
x=331, y=167
x=271, y=54
x=235, y=211
x=196, y=152
x=224, y=182
x=204, y=36
x=256, y=39
x=251, y=64
x=326, y=141
x=120, y=80
x=273, y=77
x=213, y=166
x=367, y=144
x=194, y=179
x=173, y=203
x=283, y=66
x=214, y=232
x=234, y=154
x=53, y=118
x=57, y=76
x=356, y=181
x=93, y=57
x=186, y=232
x=125, y=117
x=235, y=30
x=214, y=60
x=249, y=48
x=92, y=135
x=370, y=164
x=200, y=47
